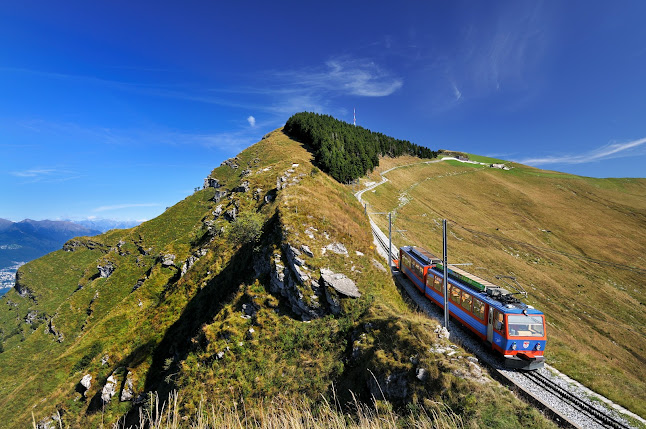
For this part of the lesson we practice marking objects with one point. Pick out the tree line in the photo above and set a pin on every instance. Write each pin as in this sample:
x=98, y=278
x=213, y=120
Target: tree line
x=344, y=151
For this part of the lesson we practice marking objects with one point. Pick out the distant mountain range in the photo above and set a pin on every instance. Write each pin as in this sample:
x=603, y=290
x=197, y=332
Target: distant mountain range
x=23, y=241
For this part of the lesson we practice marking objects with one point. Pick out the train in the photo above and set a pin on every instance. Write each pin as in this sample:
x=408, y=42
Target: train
x=510, y=327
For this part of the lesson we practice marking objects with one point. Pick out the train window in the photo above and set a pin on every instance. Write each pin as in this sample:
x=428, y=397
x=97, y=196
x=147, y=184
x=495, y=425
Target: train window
x=478, y=309
x=498, y=320
x=525, y=326
x=466, y=301
x=405, y=260
x=455, y=294
x=438, y=285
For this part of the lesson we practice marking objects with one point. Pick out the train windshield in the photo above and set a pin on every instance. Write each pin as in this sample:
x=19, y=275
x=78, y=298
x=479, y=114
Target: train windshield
x=525, y=326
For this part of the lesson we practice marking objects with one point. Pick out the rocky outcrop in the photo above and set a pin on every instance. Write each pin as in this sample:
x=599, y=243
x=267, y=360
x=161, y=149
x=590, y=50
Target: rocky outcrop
x=85, y=384
x=231, y=162
x=167, y=260
x=231, y=214
x=51, y=329
x=244, y=187
x=391, y=387
x=106, y=269
x=110, y=389
x=127, y=392
x=211, y=182
x=76, y=244
x=219, y=195
x=337, y=248
x=188, y=264
x=340, y=283
x=257, y=193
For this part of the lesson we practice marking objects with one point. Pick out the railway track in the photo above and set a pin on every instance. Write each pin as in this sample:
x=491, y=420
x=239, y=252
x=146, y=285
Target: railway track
x=602, y=418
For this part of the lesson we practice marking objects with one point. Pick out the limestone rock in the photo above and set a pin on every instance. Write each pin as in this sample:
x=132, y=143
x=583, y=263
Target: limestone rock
x=244, y=173
x=218, y=196
x=231, y=162
x=393, y=387
x=110, y=389
x=339, y=282
x=188, y=264
x=210, y=182
x=168, y=260
x=106, y=270
x=244, y=187
x=127, y=393
x=231, y=214
x=86, y=383
x=257, y=193
x=337, y=248
x=442, y=332
x=421, y=374
x=305, y=249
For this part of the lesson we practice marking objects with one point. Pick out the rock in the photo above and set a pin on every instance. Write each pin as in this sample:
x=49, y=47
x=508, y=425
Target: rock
x=257, y=193
x=188, y=264
x=421, y=374
x=245, y=172
x=378, y=265
x=218, y=211
x=339, y=282
x=231, y=214
x=269, y=198
x=337, y=248
x=250, y=309
x=51, y=329
x=105, y=360
x=106, y=270
x=86, y=382
x=219, y=355
x=305, y=249
x=310, y=232
x=301, y=276
x=249, y=334
x=31, y=317
x=393, y=387
x=244, y=187
x=218, y=196
x=210, y=182
x=231, y=162
x=137, y=285
x=442, y=332
x=293, y=255
x=168, y=260
x=127, y=393
x=109, y=390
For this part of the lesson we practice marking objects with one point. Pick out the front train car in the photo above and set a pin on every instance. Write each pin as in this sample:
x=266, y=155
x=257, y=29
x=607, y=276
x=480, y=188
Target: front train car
x=512, y=328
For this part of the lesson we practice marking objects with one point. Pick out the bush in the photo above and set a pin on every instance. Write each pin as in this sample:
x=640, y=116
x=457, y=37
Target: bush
x=247, y=228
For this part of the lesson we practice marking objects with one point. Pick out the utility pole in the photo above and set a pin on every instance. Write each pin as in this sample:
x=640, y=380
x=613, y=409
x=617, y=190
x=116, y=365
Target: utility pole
x=390, y=240
x=445, y=283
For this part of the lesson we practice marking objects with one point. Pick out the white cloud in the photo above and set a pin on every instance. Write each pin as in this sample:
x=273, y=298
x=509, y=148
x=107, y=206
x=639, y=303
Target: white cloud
x=252, y=121
x=612, y=150
x=343, y=76
x=123, y=206
x=35, y=172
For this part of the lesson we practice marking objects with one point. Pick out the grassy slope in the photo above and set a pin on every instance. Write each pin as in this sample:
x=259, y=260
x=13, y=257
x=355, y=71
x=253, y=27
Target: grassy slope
x=595, y=312
x=168, y=332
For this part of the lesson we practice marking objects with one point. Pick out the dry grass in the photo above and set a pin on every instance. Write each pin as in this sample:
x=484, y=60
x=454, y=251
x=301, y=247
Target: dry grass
x=284, y=413
x=544, y=228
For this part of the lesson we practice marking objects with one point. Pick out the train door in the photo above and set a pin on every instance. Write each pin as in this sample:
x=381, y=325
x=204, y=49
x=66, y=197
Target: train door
x=490, y=326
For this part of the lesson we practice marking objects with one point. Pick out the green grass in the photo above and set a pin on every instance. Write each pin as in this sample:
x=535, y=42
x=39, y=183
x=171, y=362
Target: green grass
x=169, y=331
x=539, y=226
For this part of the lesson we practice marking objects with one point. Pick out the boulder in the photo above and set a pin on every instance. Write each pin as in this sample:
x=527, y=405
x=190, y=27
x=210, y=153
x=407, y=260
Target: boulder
x=110, y=389
x=231, y=214
x=231, y=162
x=340, y=283
x=188, y=264
x=106, y=270
x=257, y=193
x=86, y=383
x=210, y=182
x=218, y=196
x=337, y=248
x=244, y=187
x=168, y=260
x=244, y=173
x=305, y=249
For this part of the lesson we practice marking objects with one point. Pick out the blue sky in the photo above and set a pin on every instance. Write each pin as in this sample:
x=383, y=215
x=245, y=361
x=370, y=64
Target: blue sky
x=119, y=109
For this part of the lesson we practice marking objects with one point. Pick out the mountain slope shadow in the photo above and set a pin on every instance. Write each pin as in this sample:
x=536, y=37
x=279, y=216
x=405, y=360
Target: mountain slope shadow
x=201, y=309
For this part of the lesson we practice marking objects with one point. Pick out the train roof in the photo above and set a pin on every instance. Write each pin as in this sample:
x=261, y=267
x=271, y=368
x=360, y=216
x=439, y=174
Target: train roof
x=486, y=291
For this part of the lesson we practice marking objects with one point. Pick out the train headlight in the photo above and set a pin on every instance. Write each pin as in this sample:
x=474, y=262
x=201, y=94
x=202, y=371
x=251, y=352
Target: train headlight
x=538, y=346
x=513, y=345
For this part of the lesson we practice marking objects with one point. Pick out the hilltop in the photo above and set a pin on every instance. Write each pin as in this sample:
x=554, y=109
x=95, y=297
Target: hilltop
x=576, y=244
x=264, y=284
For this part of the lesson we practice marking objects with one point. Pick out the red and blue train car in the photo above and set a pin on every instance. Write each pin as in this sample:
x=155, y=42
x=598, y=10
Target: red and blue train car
x=512, y=328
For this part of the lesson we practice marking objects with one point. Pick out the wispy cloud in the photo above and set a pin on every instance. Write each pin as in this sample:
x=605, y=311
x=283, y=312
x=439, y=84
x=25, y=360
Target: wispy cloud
x=343, y=76
x=34, y=175
x=611, y=150
x=252, y=121
x=123, y=206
